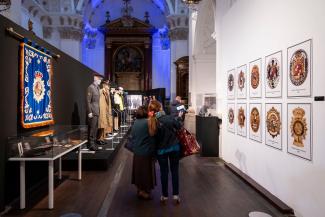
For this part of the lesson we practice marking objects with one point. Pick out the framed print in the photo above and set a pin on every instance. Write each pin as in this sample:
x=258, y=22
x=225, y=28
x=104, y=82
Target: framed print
x=273, y=75
x=231, y=117
x=231, y=84
x=255, y=77
x=273, y=125
x=300, y=130
x=241, y=119
x=300, y=69
x=241, y=79
x=255, y=122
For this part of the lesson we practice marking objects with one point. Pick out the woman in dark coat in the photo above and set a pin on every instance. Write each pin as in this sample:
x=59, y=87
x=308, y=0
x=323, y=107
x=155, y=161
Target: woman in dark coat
x=164, y=128
x=143, y=146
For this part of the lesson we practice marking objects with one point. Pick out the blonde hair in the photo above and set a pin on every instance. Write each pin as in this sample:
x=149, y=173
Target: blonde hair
x=154, y=107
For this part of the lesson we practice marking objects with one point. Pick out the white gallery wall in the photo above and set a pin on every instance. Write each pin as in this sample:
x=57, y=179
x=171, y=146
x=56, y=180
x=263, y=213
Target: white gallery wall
x=202, y=48
x=253, y=29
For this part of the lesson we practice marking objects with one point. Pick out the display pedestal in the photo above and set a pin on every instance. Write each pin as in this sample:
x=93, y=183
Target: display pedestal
x=99, y=160
x=207, y=135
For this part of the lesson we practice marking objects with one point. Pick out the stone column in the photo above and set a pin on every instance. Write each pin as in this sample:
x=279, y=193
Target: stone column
x=108, y=64
x=148, y=64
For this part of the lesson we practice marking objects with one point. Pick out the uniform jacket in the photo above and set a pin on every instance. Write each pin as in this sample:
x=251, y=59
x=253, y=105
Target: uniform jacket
x=93, y=100
x=105, y=111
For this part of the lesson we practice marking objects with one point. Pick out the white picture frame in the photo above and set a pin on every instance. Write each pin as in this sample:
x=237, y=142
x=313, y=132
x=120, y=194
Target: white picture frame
x=299, y=64
x=231, y=83
x=273, y=75
x=255, y=78
x=273, y=125
x=241, y=82
x=241, y=119
x=231, y=117
x=255, y=121
x=300, y=130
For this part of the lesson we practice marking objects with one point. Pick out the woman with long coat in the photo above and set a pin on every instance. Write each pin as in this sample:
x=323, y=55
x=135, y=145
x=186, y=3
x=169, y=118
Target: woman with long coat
x=143, y=147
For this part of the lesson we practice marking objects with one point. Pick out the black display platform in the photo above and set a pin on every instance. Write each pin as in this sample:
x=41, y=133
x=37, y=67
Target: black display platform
x=99, y=160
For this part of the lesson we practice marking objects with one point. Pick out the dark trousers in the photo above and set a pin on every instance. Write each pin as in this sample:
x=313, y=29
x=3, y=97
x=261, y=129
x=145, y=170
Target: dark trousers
x=173, y=158
x=92, y=131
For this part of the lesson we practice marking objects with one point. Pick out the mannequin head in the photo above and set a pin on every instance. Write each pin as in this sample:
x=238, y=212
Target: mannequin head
x=97, y=80
x=120, y=90
x=105, y=85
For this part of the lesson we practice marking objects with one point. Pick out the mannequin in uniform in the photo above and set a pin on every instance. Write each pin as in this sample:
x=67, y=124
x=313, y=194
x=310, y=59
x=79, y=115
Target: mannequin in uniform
x=114, y=107
x=105, y=123
x=93, y=112
x=118, y=100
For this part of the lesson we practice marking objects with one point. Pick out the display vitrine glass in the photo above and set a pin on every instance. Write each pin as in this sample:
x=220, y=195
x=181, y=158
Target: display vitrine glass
x=207, y=106
x=46, y=143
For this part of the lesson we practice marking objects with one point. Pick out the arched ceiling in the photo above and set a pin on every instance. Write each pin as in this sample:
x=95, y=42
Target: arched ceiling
x=95, y=11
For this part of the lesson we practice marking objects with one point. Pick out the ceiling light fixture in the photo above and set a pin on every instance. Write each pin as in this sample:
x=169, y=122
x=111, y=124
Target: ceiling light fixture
x=4, y=5
x=192, y=4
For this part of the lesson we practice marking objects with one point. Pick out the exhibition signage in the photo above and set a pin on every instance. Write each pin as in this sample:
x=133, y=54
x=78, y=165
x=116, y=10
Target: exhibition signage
x=35, y=83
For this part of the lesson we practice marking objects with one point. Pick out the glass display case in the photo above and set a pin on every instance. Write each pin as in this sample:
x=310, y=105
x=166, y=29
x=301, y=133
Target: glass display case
x=207, y=105
x=47, y=143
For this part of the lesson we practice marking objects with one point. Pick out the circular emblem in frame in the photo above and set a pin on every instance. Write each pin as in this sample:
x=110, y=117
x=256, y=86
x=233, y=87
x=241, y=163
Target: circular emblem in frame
x=231, y=116
x=255, y=77
x=273, y=73
x=241, y=117
x=255, y=119
x=241, y=80
x=298, y=127
x=231, y=82
x=273, y=122
x=298, y=67
x=38, y=87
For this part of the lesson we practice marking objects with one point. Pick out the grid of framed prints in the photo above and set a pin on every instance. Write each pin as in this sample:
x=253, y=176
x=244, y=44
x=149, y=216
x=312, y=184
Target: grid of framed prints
x=255, y=77
x=242, y=117
x=255, y=121
x=231, y=117
x=241, y=79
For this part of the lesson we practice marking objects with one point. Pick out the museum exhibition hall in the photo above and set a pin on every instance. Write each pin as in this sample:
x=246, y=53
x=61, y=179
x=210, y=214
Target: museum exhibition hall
x=162, y=108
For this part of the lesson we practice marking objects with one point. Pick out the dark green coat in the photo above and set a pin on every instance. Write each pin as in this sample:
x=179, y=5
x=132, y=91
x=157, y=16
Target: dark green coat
x=142, y=143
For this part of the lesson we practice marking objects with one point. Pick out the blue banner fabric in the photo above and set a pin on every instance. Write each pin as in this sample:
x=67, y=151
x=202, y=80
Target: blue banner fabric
x=36, y=92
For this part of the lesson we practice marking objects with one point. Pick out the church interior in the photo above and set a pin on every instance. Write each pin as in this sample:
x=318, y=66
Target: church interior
x=107, y=103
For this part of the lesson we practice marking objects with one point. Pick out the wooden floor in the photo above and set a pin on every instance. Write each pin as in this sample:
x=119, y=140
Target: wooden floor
x=207, y=189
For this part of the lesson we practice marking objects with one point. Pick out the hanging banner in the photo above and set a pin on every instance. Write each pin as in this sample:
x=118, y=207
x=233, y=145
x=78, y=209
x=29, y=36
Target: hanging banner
x=35, y=82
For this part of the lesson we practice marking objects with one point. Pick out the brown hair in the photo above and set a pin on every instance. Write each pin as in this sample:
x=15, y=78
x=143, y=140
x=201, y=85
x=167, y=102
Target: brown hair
x=154, y=107
x=141, y=112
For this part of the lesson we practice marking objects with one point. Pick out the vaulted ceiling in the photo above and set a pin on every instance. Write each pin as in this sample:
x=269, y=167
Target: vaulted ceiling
x=94, y=11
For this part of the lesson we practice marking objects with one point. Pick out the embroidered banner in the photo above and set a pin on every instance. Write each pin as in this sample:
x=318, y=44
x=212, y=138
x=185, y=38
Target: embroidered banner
x=35, y=81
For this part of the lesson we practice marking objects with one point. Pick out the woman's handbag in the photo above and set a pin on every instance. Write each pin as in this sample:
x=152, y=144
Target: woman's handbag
x=189, y=145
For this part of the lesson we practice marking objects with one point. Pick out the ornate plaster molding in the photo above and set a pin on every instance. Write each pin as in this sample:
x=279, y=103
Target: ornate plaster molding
x=70, y=33
x=178, y=34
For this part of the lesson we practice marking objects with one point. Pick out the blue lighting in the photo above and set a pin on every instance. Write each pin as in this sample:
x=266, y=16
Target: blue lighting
x=94, y=3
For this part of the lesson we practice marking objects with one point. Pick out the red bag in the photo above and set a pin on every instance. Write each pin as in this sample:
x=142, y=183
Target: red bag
x=189, y=145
